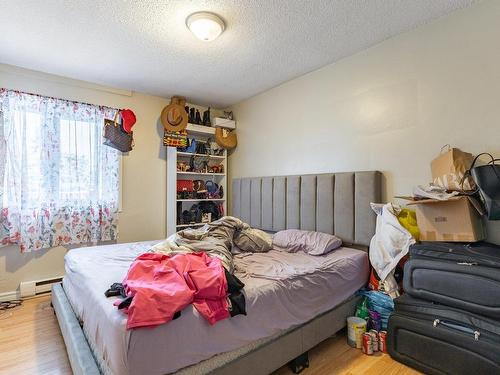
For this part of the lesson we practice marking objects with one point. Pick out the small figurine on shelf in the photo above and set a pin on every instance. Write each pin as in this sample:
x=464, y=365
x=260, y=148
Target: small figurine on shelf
x=182, y=166
x=187, y=110
x=206, y=117
x=197, y=119
x=191, y=116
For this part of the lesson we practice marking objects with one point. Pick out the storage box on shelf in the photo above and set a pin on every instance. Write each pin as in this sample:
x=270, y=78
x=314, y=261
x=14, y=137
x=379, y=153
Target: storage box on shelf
x=175, y=204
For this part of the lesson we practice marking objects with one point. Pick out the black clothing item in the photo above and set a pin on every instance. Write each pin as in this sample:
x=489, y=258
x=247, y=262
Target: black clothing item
x=236, y=299
x=237, y=304
x=114, y=290
x=125, y=302
x=233, y=283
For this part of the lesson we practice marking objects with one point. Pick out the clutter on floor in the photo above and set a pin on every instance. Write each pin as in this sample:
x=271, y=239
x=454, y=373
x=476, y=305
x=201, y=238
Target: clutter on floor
x=447, y=318
x=448, y=322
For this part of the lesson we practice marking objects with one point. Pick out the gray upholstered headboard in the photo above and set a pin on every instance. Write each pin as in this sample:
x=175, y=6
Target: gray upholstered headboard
x=336, y=203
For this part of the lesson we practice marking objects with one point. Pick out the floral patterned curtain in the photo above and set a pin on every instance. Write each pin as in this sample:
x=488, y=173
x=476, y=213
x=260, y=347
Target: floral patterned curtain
x=59, y=184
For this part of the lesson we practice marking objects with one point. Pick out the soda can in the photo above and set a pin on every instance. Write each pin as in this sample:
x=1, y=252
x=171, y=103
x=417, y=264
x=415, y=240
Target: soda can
x=375, y=340
x=382, y=341
x=367, y=344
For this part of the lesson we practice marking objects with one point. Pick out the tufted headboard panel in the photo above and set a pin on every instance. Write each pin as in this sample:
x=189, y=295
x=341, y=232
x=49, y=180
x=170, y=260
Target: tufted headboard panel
x=336, y=203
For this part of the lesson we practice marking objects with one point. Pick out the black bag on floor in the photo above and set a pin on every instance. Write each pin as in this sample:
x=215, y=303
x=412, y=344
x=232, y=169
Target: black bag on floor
x=465, y=276
x=437, y=339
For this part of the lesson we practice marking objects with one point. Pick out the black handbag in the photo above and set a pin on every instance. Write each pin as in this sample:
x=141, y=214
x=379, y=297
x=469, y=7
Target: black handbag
x=487, y=179
x=116, y=137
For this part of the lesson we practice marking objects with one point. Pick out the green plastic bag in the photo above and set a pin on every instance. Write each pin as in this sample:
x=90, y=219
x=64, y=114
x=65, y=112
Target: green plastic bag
x=362, y=309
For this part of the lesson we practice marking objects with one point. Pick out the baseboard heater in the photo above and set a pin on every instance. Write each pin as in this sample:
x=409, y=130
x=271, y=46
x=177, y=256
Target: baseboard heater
x=32, y=288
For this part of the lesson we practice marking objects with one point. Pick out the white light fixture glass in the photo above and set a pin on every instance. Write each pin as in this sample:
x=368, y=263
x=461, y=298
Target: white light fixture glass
x=205, y=26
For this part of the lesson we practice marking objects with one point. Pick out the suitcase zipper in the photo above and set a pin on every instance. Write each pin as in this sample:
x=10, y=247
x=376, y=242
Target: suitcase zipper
x=467, y=263
x=486, y=260
x=457, y=327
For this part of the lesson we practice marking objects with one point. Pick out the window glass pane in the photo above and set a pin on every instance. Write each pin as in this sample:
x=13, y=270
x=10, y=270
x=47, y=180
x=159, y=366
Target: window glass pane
x=77, y=164
x=25, y=131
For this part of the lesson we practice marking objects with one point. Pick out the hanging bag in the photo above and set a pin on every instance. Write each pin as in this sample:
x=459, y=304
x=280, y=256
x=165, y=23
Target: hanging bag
x=487, y=180
x=115, y=137
x=449, y=167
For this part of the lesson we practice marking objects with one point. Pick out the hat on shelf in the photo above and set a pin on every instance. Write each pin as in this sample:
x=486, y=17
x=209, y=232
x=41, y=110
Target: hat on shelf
x=226, y=138
x=174, y=116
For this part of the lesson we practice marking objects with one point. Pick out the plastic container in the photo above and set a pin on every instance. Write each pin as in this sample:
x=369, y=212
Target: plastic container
x=355, y=329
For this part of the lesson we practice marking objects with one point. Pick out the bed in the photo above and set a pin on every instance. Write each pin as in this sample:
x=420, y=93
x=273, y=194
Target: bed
x=294, y=301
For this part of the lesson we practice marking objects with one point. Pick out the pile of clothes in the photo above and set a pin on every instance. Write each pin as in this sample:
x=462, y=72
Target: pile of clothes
x=193, y=266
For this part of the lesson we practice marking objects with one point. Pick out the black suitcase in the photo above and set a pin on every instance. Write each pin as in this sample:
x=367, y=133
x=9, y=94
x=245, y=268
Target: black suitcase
x=466, y=276
x=437, y=339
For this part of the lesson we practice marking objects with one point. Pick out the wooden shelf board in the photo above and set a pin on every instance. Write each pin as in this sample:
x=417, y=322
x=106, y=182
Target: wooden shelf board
x=201, y=200
x=189, y=154
x=201, y=174
x=190, y=225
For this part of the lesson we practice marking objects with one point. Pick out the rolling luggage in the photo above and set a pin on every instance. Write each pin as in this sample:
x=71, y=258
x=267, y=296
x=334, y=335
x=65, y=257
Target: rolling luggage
x=437, y=339
x=465, y=276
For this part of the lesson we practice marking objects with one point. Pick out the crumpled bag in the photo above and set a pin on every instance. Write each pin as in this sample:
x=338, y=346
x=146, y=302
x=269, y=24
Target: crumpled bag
x=408, y=219
x=391, y=241
x=379, y=302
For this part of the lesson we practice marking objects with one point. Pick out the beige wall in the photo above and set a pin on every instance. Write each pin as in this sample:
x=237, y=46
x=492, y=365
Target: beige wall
x=144, y=171
x=389, y=108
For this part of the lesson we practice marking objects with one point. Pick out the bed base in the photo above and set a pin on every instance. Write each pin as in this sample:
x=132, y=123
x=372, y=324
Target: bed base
x=261, y=357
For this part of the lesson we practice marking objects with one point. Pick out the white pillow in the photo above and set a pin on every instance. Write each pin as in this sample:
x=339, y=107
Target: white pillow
x=313, y=243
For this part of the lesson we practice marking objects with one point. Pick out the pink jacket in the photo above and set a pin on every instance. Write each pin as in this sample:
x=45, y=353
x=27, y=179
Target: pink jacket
x=162, y=285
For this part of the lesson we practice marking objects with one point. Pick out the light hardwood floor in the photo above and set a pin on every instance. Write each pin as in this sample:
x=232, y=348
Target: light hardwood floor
x=31, y=343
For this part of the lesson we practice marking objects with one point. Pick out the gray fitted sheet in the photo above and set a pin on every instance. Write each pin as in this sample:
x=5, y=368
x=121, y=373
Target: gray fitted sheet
x=283, y=290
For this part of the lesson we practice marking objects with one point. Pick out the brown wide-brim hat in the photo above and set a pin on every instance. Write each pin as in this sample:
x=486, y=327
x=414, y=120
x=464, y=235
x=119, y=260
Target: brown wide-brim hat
x=174, y=117
x=226, y=138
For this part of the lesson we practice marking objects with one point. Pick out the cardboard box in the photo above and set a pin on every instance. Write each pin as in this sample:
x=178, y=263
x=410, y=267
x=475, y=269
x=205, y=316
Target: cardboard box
x=455, y=220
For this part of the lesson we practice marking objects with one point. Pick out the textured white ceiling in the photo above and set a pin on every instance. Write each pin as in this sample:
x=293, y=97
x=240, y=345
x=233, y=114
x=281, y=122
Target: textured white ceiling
x=143, y=45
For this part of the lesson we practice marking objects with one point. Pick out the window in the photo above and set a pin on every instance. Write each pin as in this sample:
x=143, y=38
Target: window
x=59, y=184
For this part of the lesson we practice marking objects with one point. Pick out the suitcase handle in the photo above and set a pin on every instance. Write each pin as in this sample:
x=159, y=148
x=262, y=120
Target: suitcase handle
x=457, y=327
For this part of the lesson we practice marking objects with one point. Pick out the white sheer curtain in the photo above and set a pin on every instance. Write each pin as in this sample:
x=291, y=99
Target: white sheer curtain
x=58, y=183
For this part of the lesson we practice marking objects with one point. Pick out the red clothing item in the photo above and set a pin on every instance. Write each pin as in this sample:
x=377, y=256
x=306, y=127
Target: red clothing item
x=162, y=285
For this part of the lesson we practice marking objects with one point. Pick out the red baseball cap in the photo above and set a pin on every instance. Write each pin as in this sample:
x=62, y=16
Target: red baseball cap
x=128, y=118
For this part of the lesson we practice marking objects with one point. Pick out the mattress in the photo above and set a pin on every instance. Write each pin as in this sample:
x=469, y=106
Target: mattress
x=282, y=290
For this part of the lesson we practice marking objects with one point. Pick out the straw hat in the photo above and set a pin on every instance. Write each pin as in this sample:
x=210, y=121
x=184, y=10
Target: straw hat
x=226, y=138
x=174, y=117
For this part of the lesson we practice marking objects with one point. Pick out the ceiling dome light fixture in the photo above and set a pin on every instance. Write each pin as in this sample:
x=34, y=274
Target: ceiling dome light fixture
x=205, y=26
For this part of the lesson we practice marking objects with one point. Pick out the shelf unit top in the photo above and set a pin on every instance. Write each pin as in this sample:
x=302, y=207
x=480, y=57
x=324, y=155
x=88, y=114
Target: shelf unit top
x=200, y=129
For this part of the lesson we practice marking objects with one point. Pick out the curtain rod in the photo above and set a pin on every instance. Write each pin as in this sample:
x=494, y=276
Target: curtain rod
x=53, y=97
